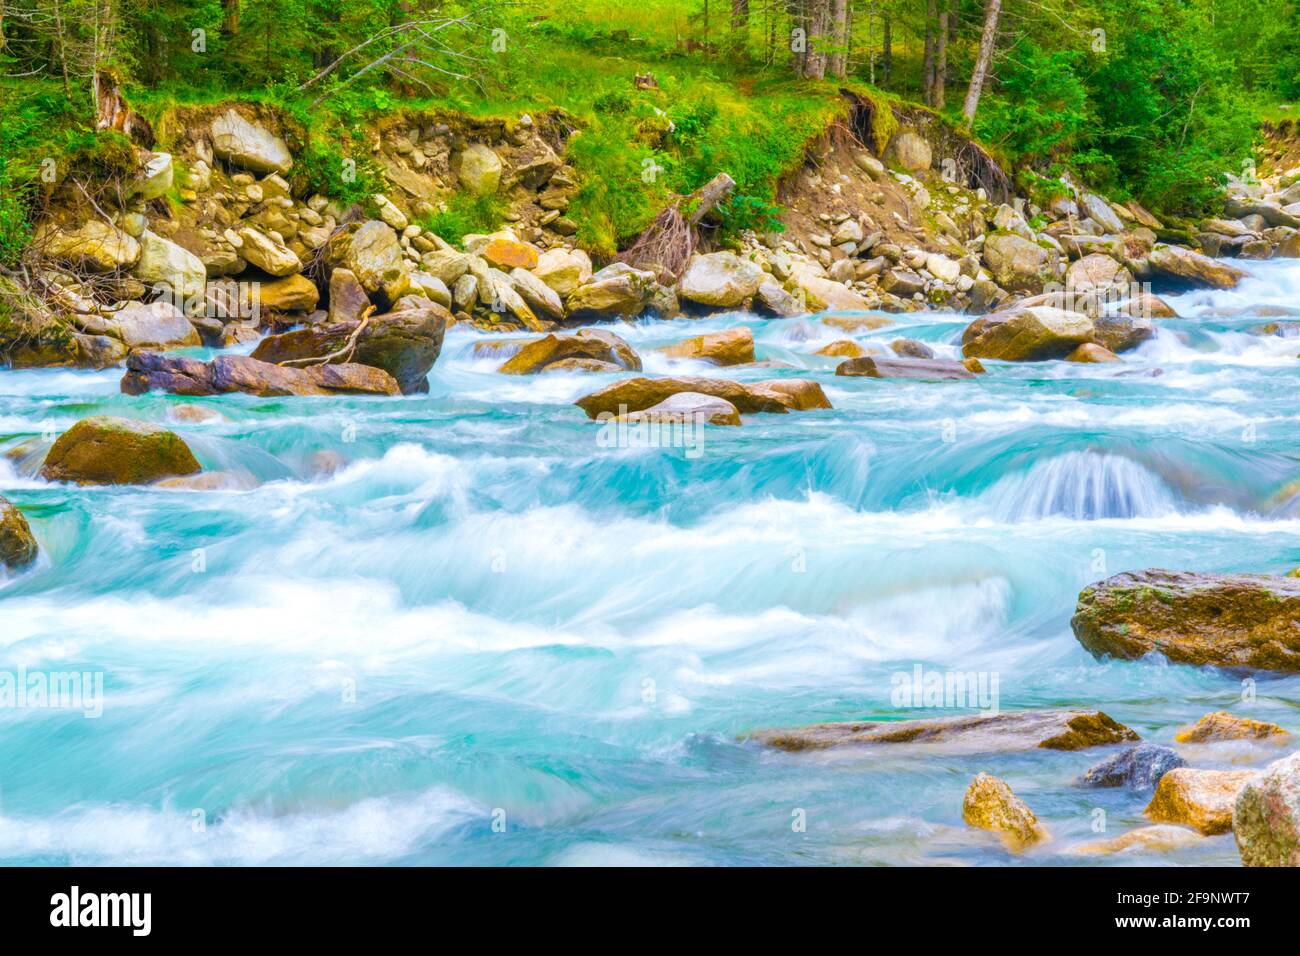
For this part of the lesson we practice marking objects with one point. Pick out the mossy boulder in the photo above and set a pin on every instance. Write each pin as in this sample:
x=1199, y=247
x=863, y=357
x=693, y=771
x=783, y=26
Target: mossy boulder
x=17, y=545
x=1227, y=620
x=990, y=804
x=1266, y=816
x=117, y=451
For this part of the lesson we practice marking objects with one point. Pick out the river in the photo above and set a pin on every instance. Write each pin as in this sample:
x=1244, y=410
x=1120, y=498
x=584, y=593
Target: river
x=457, y=628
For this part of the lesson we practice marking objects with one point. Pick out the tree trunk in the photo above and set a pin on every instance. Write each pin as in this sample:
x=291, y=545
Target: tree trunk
x=230, y=19
x=886, y=50
x=941, y=60
x=837, y=65
x=815, y=20
x=927, y=67
x=992, y=9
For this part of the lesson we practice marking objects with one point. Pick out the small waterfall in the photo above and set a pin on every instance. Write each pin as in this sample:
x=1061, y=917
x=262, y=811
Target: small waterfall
x=1084, y=486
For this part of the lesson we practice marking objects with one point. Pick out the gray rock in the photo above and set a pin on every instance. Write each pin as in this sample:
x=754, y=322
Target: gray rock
x=1137, y=768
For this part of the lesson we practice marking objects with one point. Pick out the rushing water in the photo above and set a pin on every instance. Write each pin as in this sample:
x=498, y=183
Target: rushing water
x=467, y=611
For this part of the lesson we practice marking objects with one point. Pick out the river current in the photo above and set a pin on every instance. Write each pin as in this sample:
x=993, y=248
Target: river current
x=458, y=627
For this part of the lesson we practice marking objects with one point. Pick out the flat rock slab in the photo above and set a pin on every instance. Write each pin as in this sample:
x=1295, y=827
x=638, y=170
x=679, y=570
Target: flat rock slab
x=1018, y=730
x=149, y=371
x=1226, y=620
x=930, y=370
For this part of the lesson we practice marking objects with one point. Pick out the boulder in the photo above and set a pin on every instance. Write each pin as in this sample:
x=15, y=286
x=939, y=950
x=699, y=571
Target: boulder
x=771, y=299
x=1120, y=333
x=405, y=344
x=732, y=347
x=273, y=258
x=929, y=370
x=1200, y=799
x=95, y=245
x=507, y=301
x=164, y=262
x=154, y=178
x=1137, y=768
x=153, y=325
x=842, y=348
x=1195, y=268
x=540, y=297
x=636, y=394
x=821, y=293
x=348, y=299
x=911, y=348
x=1161, y=837
x=611, y=294
x=1149, y=306
x=991, y=805
x=431, y=288
x=1027, y=334
x=801, y=394
x=116, y=451
x=248, y=144
x=294, y=293
x=17, y=546
x=1092, y=353
x=1013, y=731
x=507, y=253
x=151, y=371
x=720, y=280
x=563, y=270
x=478, y=168
x=909, y=150
x=1222, y=725
x=445, y=264
x=1225, y=620
x=688, y=408
x=596, y=344
x=1096, y=272
x=1100, y=212
x=1016, y=263
x=1266, y=815
x=581, y=365
x=373, y=254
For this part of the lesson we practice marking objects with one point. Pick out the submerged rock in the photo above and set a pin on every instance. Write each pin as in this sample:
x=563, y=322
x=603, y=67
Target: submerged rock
x=1091, y=353
x=1266, y=815
x=1201, y=799
x=637, y=394
x=1137, y=768
x=1018, y=730
x=18, y=547
x=930, y=370
x=1161, y=837
x=991, y=805
x=589, y=344
x=801, y=394
x=117, y=451
x=732, y=347
x=405, y=344
x=1222, y=725
x=152, y=371
x=1227, y=620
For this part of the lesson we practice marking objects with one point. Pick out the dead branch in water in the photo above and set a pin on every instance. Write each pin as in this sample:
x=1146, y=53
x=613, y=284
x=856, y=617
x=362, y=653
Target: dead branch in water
x=349, y=347
x=669, y=242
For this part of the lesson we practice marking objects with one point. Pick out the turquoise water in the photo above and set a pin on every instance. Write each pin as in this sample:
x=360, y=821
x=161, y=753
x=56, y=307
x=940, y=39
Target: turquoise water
x=453, y=628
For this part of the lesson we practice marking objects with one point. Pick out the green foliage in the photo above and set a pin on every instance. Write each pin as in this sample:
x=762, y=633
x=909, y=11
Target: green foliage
x=1041, y=106
x=740, y=212
x=465, y=214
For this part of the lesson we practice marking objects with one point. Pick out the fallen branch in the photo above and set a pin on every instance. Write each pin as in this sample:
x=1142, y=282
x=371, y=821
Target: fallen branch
x=345, y=353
